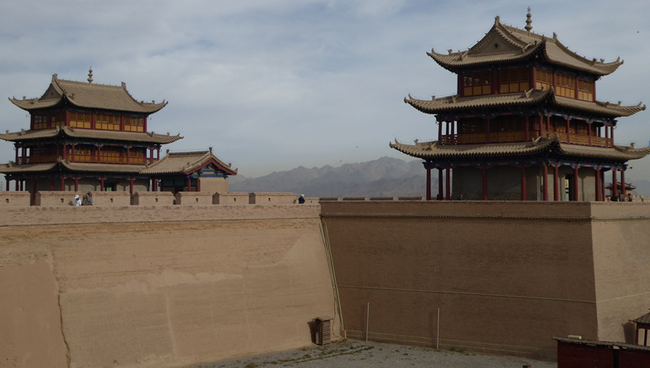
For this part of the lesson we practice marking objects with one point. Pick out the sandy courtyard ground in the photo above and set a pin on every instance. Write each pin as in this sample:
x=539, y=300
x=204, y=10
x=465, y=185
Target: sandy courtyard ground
x=357, y=354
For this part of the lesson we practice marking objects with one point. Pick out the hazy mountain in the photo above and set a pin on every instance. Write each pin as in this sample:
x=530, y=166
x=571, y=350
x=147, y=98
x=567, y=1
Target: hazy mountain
x=385, y=177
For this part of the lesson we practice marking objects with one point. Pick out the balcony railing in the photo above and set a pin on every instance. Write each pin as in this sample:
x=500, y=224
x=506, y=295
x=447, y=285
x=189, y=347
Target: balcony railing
x=502, y=137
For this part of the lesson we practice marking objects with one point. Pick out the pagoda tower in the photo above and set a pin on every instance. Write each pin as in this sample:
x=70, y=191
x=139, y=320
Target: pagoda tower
x=525, y=123
x=84, y=136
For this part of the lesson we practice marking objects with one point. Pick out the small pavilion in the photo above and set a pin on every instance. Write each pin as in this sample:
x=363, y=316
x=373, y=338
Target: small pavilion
x=190, y=172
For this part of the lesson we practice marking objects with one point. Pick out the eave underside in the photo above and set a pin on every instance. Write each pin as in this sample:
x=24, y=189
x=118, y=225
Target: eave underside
x=534, y=101
x=538, y=152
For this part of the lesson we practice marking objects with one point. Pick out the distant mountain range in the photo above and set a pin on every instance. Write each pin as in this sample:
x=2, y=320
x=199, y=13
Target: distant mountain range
x=385, y=177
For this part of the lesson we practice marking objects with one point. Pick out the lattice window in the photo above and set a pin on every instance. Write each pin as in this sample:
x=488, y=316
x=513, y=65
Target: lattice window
x=107, y=122
x=544, y=79
x=83, y=153
x=133, y=124
x=585, y=90
x=471, y=126
x=565, y=86
x=511, y=123
x=80, y=120
x=476, y=84
x=112, y=155
x=511, y=81
x=40, y=122
x=137, y=156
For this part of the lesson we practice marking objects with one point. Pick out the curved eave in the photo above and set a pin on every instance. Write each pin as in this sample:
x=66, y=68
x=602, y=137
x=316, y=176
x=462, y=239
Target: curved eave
x=522, y=45
x=454, y=103
x=458, y=60
x=88, y=96
x=615, y=153
x=429, y=150
x=90, y=134
x=606, y=108
x=28, y=168
x=35, y=103
x=432, y=150
x=186, y=163
x=559, y=54
x=104, y=168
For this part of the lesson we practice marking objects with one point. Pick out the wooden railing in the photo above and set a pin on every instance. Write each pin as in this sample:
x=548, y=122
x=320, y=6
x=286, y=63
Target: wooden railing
x=502, y=137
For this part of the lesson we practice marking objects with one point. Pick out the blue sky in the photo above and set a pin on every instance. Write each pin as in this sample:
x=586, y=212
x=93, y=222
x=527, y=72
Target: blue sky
x=273, y=85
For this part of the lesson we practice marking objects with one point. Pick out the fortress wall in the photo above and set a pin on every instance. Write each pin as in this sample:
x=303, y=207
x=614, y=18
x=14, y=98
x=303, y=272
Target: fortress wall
x=507, y=276
x=621, y=233
x=272, y=198
x=14, y=199
x=165, y=286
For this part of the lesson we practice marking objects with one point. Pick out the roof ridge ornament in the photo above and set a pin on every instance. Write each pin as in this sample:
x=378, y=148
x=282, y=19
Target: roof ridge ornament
x=529, y=21
x=90, y=75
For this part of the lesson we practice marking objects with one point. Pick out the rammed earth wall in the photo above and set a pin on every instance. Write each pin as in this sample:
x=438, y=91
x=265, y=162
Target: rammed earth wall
x=506, y=276
x=164, y=286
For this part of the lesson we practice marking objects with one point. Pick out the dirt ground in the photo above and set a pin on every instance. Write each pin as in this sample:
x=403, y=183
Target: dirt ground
x=357, y=354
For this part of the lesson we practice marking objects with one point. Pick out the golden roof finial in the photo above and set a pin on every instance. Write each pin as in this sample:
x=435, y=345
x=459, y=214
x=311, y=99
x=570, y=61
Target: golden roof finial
x=90, y=75
x=529, y=21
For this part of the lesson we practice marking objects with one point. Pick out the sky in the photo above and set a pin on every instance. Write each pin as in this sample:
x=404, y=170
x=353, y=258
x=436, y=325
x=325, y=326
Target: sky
x=276, y=84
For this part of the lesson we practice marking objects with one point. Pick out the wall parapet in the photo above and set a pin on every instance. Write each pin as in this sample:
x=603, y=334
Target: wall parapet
x=35, y=215
x=14, y=199
x=272, y=198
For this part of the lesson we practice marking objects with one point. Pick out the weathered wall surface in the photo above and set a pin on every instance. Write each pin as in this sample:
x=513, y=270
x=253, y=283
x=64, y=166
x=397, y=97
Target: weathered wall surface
x=159, y=286
x=621, y=233
x=507, y=276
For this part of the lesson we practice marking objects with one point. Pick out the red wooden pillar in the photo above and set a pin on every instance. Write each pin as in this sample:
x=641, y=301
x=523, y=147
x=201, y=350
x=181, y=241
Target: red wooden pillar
x=51, y=184
x=198, y=183
x=101, y=184
x=540, y=127
x=545, y=182
x=575, y=183
x=606, y=136
x=568, y=130
x=485, y=187
x=131, y=186
x=440, y=186
x=614, y=185
x=7, y=181
x=612, y=129
x=428, y=183
x=189, y=183
x=556, y=184
x=155, y=185
x=523, y=183
x=623, y=182
x=448, y=184
x=72, y=153
x=76, y=184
